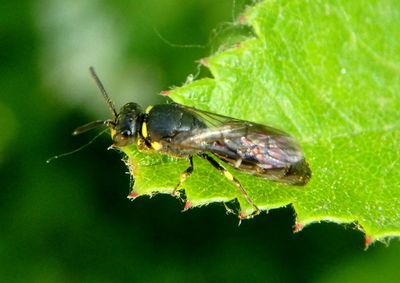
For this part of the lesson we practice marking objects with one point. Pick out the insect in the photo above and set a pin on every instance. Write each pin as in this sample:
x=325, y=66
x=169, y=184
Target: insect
x=183, y=131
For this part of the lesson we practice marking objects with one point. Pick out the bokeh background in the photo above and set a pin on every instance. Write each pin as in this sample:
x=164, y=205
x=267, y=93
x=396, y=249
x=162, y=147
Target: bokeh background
x=70, y=221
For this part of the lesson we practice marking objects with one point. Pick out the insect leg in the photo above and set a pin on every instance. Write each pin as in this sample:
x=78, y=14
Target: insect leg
x=231, y=178
x=184, y=175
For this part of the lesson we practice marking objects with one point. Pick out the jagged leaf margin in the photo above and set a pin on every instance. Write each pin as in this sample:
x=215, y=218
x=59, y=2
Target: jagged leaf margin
x=329, y=74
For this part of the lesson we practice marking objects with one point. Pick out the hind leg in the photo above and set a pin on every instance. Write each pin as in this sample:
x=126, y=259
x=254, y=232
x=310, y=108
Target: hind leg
x=233, y=179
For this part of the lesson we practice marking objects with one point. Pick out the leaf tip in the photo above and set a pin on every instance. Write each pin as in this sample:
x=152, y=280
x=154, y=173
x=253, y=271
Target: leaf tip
x=368, y=240
x=204, y=62
x=133, y=195
x=242, y=215
x=165, y=92
x=187, y=205
x=242, y=19
x=298, y=227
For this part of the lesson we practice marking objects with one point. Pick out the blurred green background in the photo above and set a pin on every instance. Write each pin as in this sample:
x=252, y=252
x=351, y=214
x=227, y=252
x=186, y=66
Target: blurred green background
x=70, y=221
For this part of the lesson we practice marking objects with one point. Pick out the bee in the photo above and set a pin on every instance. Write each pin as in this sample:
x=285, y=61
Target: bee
x=181, y=131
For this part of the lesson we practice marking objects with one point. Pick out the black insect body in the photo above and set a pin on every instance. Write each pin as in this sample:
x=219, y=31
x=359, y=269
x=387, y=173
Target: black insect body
x=183, y=131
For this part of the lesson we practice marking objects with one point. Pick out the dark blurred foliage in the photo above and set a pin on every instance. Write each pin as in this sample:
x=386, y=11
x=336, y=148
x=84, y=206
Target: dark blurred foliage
x=70, y=221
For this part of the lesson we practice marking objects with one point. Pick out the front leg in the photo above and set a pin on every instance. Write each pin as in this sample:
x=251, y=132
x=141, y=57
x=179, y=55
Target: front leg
x=184, y=175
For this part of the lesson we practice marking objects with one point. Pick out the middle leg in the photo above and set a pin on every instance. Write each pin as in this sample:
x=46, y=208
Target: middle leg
x=184, y=175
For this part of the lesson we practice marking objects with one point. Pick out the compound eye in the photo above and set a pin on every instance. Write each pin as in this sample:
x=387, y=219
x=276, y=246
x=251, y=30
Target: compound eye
x=124, y=138
x=126, y=133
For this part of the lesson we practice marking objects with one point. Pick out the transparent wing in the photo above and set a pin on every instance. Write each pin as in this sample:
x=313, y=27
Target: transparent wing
x=241, y=141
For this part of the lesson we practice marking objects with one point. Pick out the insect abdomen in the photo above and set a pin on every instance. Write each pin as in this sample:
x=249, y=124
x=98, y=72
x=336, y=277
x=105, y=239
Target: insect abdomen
x=297, y=174
x=276, y=157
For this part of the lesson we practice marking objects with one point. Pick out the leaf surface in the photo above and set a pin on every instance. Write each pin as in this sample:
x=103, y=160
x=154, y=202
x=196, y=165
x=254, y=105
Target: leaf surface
x=328, y=73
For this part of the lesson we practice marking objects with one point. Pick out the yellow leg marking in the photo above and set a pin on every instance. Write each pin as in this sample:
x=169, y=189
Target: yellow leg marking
x=156, y=146
x=184, y=175
x=228, y=175
x=235, y=181
x=141, y=145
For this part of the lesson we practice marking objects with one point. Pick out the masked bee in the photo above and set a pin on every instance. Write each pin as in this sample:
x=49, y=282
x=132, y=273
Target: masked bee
x=183, y=131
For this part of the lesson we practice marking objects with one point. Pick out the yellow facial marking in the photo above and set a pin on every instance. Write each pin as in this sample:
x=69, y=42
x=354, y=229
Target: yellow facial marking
x=144, y=130
x=228, y=175
x=148, y=109
x=156, y=146
x=183, y=177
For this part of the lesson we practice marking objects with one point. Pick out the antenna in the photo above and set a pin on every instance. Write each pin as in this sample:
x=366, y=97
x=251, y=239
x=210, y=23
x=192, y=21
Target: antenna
x=76, y=150
x=94, y=124
x=103, y=91
x=91, y=125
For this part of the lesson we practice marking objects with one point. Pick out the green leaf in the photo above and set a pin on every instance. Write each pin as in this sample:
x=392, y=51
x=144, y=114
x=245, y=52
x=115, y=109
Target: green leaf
x=328, y=73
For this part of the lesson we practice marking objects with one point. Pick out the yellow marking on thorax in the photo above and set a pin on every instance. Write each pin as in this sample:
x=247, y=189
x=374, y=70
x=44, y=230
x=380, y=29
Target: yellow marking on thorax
x=228, y=175
x=144, y=130
x=148, y=109
x=156, y=146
